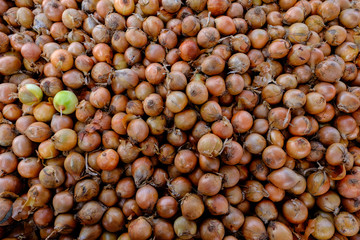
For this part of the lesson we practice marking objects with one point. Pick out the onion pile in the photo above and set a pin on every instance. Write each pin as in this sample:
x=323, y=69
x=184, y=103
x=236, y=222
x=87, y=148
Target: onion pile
x=170, y=119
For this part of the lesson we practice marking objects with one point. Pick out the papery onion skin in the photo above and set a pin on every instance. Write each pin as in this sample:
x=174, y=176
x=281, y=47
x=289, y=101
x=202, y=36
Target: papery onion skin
x=170, y=119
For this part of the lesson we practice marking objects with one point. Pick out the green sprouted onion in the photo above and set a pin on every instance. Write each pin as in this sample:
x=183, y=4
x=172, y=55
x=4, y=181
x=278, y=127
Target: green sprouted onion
x=65, y=102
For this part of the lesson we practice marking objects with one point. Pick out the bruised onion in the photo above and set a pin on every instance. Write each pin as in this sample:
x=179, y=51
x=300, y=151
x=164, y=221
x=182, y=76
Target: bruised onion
x=52, y=176
x=346, y=224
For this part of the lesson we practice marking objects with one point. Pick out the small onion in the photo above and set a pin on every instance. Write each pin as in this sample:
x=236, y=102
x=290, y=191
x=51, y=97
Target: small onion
x=65, y=102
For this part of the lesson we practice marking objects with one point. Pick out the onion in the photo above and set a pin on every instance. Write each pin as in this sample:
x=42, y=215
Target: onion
x=318, y=183
x=65, y=102
x=64, y=223
x=166, y=207
x=328, y=10
x=266, y=211
x=323, y=227
x=31, y=51
x=284, y=178
x=279, y=48
x=259, y=169
x=153, y=104
x=146, y=197
x=256, y=104
x=65, y=139
x=139, y=229
x=335, y=35
x=210, y=111
x=125, y=188
x=256, y=17
x=348, y=186
x=124, y=7
x=179, y=186
x=209, y=184
x=138, y=130
x=184, y=228
x=5, y=210
x=233, y=220
x=38, y=132
x=217, y=205
x=29, y=167
x=62, y=202
x=62, y=59
x=346, y=224
x=108, y=160
x=225, y=25
x=349, y=18
x=12, y=112
x=90, y=232
x=208, y=37
x=242, y=121
x=329, y=202
x=108, y=197
x=294, y=15
x=141, y=170
x=112, y=176
x=213, y=65
x=347, y=51
x=38, y=196
x=212, y=229
x=217, y=7
x=347, y=102
x=155, y=53
x=239, y=63
x=113, y=219
x=189, y=49
x=91, y=212
x=43, y=216
x=210, y=145
x=163, y=229
x=279, y=118
x=295, y=211
x=254, y=191
x=253, y=228
x=190, y=26
x=52, y=176
x=278, y=230
x=53, y=10
x=22, y=146
x=8, y=163
x=192, y=206
x=6, y=92
x=12, y=64
x=176, y=101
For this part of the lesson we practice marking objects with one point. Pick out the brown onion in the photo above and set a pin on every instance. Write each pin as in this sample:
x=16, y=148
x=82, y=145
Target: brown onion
x=253, y=228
